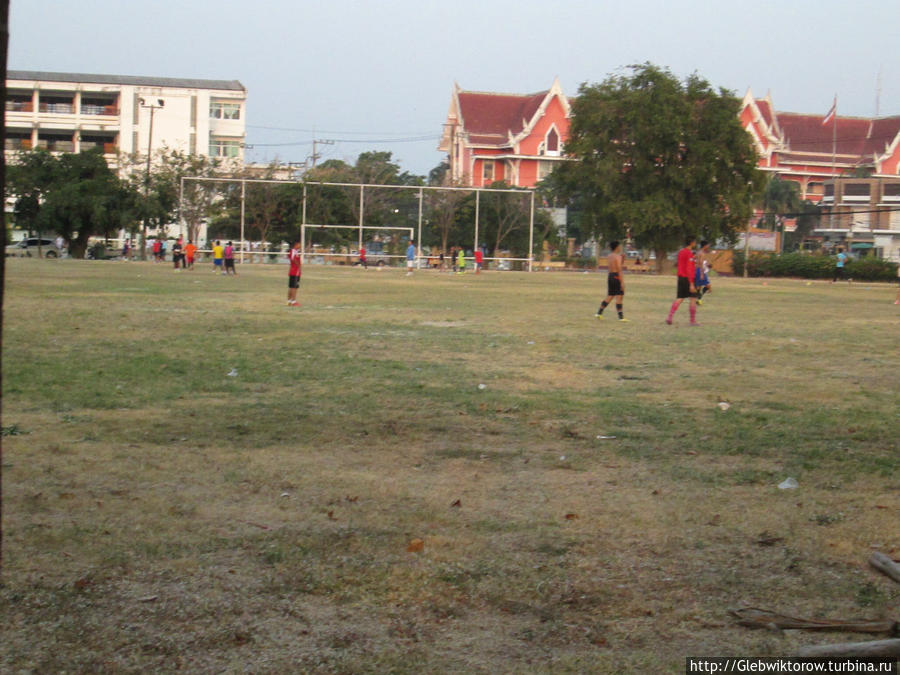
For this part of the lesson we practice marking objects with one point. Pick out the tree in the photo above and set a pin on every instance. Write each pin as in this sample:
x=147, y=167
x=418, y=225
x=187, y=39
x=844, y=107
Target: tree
x=271, y=209
x=329, y=205
x=505, y=213
x=442, y=206
x=164, y=201
x=85, y=198
x=30, y=177
x=658, y=159
x=780, y=198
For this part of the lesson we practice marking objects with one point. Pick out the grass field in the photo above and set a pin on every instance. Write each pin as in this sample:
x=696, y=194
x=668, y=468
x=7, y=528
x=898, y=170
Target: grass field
x=160, y=514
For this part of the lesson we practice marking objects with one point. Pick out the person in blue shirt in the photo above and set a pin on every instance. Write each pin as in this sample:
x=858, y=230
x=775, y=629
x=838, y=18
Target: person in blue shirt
x=839, y=267
x=410, y=258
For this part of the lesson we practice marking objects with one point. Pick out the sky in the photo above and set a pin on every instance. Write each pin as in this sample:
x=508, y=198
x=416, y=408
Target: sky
x=379, y=75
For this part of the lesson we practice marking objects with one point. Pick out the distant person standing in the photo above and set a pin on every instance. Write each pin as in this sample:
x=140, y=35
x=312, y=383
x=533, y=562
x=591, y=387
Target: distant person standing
x=839, y=265
x=410, y=258
x=461, y=261
x=189, y=252
x=176, y=254
x=156, y=248
x=229, y=259
x=615, y=283
x=362, y=257
x=126, y=249
x=701, y=274
x=686, y=288
x=479, y=260
x=218, y=256
x=294, y=271
x=162, y=251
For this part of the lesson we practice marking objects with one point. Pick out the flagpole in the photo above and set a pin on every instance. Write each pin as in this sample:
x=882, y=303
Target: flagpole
x=834, y=140
x=834, y=190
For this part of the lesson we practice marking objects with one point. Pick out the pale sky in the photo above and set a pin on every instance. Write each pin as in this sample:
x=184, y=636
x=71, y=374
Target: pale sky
x=381, y=73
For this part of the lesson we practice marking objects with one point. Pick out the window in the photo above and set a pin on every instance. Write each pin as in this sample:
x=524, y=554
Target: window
x=544, y=169
x=856, y=190
x=487, y=170
x=551, y=143
x=222, y=148
x=224, y=111
x=510, y=172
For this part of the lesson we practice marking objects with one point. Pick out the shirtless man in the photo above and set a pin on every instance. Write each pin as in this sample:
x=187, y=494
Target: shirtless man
x=615, y=283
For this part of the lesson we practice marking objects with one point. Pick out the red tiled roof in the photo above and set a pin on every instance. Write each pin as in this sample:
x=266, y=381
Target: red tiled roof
x=884, y=131
x=489, y=118
x=806, y=133
x=854, y=135
x=765, y=110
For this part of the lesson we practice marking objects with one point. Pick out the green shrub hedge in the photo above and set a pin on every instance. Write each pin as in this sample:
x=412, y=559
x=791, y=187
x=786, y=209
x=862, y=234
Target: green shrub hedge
x=808, y=266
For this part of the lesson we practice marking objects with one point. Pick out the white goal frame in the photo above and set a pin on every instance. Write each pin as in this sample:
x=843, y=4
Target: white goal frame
x=313, y=226
x=361, y=225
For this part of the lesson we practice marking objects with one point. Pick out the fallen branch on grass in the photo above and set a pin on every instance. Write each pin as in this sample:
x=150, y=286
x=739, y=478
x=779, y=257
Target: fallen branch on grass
x=248, y=522
x=853, y=650
x=753, y=617
x=885, y=565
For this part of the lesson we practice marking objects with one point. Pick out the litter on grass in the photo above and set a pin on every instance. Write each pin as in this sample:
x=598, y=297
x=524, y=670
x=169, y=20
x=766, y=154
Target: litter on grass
x=788, y=484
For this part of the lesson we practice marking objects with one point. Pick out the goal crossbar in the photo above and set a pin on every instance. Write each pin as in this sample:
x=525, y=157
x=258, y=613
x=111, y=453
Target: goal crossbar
x=314, y=226
x=362, y=187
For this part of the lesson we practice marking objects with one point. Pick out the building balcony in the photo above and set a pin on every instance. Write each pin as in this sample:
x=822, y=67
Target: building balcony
x=19, y=106
x=111, y=110
x=56, y=146
x=109, y=148
x=16, y=144
x=58, y=108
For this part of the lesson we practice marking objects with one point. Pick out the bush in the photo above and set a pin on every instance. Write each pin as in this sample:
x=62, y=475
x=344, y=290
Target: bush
x=811, y=266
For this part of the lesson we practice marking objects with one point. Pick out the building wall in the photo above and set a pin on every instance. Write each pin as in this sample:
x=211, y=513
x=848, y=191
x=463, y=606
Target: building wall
x=183, y=123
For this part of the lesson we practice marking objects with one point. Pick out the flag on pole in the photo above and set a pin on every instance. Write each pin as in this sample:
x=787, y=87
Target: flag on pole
x=830, y=114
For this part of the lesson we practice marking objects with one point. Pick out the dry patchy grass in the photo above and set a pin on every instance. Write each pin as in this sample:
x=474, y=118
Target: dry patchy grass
x=160, y=515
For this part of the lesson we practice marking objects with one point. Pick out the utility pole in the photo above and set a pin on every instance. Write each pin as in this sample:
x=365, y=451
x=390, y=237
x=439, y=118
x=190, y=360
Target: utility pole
x=160, y=103
x=315, y=155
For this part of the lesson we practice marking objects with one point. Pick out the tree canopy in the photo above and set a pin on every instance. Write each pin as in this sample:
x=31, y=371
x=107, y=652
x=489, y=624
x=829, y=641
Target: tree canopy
x=657, y=159
x=74, y=195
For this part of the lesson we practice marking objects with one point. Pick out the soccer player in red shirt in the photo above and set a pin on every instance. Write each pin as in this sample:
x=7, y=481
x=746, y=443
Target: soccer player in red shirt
x=294, y=274
x=686, y=288
x=479, y=260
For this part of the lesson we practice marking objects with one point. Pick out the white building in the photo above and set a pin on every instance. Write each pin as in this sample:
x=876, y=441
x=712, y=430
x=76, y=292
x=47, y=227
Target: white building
x=72, y=112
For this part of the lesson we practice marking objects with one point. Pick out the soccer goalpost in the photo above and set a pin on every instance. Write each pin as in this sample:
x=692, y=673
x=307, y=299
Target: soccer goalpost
x=361, y=226
x=312, y=226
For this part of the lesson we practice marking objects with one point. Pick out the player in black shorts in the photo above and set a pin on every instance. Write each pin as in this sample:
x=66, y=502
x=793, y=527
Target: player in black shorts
x=615, y=284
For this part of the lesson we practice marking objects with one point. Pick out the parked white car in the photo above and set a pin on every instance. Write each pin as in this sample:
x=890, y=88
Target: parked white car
x=28, y=248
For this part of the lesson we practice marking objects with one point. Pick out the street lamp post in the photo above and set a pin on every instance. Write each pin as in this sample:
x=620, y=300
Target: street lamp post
x=160, y=103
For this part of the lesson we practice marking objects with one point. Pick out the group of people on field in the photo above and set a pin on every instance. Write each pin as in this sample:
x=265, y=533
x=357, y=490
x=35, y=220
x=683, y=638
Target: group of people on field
x=693, y=279
x=457, y=259
x=223, y=258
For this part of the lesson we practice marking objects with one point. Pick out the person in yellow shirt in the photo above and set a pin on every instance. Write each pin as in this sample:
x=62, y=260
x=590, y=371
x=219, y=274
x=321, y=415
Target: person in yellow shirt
x=218, y=257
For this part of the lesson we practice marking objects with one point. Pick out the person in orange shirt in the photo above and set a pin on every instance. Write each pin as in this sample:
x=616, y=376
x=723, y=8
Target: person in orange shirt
x=189, y=252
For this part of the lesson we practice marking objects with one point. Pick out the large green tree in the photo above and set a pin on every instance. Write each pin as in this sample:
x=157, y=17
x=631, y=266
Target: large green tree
x=29, y=178
x=658, y=158
x=74, y=195
x=338, y=205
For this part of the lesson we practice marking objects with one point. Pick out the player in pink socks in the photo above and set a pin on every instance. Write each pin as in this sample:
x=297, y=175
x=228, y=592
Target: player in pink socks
x=686, y=288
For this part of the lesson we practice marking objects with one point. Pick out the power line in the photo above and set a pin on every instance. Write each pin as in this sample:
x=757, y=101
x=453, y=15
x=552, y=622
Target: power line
x=332, y=131
x=411, y=139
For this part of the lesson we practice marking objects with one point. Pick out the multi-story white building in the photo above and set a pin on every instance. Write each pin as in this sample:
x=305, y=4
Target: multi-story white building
x=72, y=112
